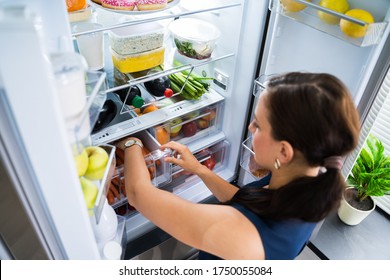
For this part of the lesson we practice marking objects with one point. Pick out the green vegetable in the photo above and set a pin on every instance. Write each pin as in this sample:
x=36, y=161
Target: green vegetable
x=194, y=88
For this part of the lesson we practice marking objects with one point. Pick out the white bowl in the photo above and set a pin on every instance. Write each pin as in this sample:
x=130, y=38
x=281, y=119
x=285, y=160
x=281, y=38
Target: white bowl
x=194, y=38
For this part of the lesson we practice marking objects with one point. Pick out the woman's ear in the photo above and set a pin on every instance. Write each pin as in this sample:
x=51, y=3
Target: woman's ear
x=286, y=153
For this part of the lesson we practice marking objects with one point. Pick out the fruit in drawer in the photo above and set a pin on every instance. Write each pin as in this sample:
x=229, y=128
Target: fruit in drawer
x=149, y=108
x=90, y=191
x=210, y=115
x=97, y=161
x=176, y=126
x=81, y=162
x=292, y=6
x=131, y=96
x=340, y=6
x=202, y=123
x=162, y=135
x=189, y=129
x=352, y=29
x=210, y=162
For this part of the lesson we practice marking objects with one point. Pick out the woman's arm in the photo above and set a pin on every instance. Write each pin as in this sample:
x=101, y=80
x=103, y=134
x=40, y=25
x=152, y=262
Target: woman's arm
x=220, y=188
x=225, y=233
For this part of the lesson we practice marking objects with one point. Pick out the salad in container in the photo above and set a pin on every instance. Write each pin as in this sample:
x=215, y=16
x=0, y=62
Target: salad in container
x=194, y=38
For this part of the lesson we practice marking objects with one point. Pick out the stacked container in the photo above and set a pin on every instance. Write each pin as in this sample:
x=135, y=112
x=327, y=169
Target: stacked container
x=137, y=47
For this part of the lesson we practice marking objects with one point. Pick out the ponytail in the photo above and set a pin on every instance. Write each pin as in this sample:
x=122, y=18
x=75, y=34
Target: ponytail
x=307, y=198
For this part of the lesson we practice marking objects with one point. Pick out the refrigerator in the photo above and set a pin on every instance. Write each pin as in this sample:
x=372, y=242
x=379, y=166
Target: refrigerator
x=45, y=215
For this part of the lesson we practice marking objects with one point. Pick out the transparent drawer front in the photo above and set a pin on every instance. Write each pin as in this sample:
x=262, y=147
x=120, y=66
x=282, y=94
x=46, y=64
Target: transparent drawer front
x=159, y=171
x=248, y=161
x=189, y=127
x=213, y=157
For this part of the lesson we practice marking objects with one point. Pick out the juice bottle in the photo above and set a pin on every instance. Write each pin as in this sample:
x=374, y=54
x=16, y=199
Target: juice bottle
x=133, y=94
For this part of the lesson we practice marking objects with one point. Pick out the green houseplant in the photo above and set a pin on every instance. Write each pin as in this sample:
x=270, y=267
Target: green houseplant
x=370, y=176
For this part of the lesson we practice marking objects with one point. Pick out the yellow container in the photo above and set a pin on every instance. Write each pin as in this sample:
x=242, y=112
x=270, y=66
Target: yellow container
x=139, y=61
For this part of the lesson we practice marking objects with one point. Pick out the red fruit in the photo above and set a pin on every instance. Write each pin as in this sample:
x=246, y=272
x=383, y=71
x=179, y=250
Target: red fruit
x=189, y=129
x=202, y=123
x=210, y=116
x=209, y=163
x=168, y=92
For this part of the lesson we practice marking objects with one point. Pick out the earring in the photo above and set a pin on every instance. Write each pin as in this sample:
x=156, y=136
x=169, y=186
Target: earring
x=277, y=164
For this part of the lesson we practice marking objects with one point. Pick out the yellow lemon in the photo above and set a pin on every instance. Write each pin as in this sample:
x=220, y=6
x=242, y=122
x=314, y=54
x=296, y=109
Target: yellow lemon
x=353, y=29
x=340, y=6
x=292, y=6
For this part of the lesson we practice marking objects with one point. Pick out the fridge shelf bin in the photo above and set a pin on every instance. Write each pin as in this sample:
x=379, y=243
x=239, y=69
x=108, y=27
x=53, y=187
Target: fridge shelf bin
x=309, y=16
x=189, y=127
x=248, y=163
x=213, y=157
x=159, y=170
x=80, y=128
x=115, y=248
x=104, y=183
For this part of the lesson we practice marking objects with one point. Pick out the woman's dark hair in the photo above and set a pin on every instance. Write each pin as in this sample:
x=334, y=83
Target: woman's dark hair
x=316, y=115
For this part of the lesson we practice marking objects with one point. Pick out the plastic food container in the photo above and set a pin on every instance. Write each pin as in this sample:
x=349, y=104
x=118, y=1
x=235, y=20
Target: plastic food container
x=194, y=38
x=139, y=61
x=137, y=38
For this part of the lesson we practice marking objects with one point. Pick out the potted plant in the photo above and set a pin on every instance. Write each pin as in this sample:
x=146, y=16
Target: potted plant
x=370, y=176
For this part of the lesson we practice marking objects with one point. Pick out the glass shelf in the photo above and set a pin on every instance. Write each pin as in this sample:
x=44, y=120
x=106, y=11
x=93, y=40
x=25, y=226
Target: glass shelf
x=111, y=20
x=309, y=17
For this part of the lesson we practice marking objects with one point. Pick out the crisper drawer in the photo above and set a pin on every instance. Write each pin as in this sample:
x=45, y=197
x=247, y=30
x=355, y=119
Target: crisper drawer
x=213, y=157
x=189, y=127
x=160, y=171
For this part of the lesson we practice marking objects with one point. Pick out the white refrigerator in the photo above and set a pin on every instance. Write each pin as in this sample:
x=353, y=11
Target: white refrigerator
x=258, y=39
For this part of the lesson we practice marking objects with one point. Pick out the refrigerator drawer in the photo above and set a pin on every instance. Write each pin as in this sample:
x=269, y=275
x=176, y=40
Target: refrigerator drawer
x=160, y=172
x=214, y=157
x=189, y=127
x=176, y=180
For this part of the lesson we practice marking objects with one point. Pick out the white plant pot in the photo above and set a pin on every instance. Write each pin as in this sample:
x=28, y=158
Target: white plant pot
x=350, y=215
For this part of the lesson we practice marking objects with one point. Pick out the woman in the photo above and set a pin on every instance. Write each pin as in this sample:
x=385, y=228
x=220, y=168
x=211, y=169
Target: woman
x=302, y=123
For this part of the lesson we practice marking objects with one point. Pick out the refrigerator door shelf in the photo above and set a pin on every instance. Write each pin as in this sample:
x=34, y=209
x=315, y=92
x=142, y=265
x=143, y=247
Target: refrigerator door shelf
x=248, y=163
x=309, y=17
x=79, y=128
x=104, y=183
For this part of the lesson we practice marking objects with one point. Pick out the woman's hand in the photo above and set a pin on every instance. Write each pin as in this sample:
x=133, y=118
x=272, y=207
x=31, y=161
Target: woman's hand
x=183, y=157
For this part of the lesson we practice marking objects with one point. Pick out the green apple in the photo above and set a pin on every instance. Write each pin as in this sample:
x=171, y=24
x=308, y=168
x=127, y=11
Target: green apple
x=175, y=126
x=97, y=161
x=90, y=191
x=81, y=162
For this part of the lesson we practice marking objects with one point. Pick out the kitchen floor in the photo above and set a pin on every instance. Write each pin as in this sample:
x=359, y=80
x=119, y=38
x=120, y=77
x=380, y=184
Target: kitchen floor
x=307, y=254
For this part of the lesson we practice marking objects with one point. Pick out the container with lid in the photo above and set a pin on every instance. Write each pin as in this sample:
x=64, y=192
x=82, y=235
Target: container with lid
x=139, y=61
x=193, y=37
x=137, y=38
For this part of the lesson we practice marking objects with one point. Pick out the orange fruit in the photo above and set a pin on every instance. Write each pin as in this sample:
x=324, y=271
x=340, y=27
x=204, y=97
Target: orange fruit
x=149, y=108
x=75, y=5
x=340, y=6
x=292, y=6
x=355, y=30
x=162, y=135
